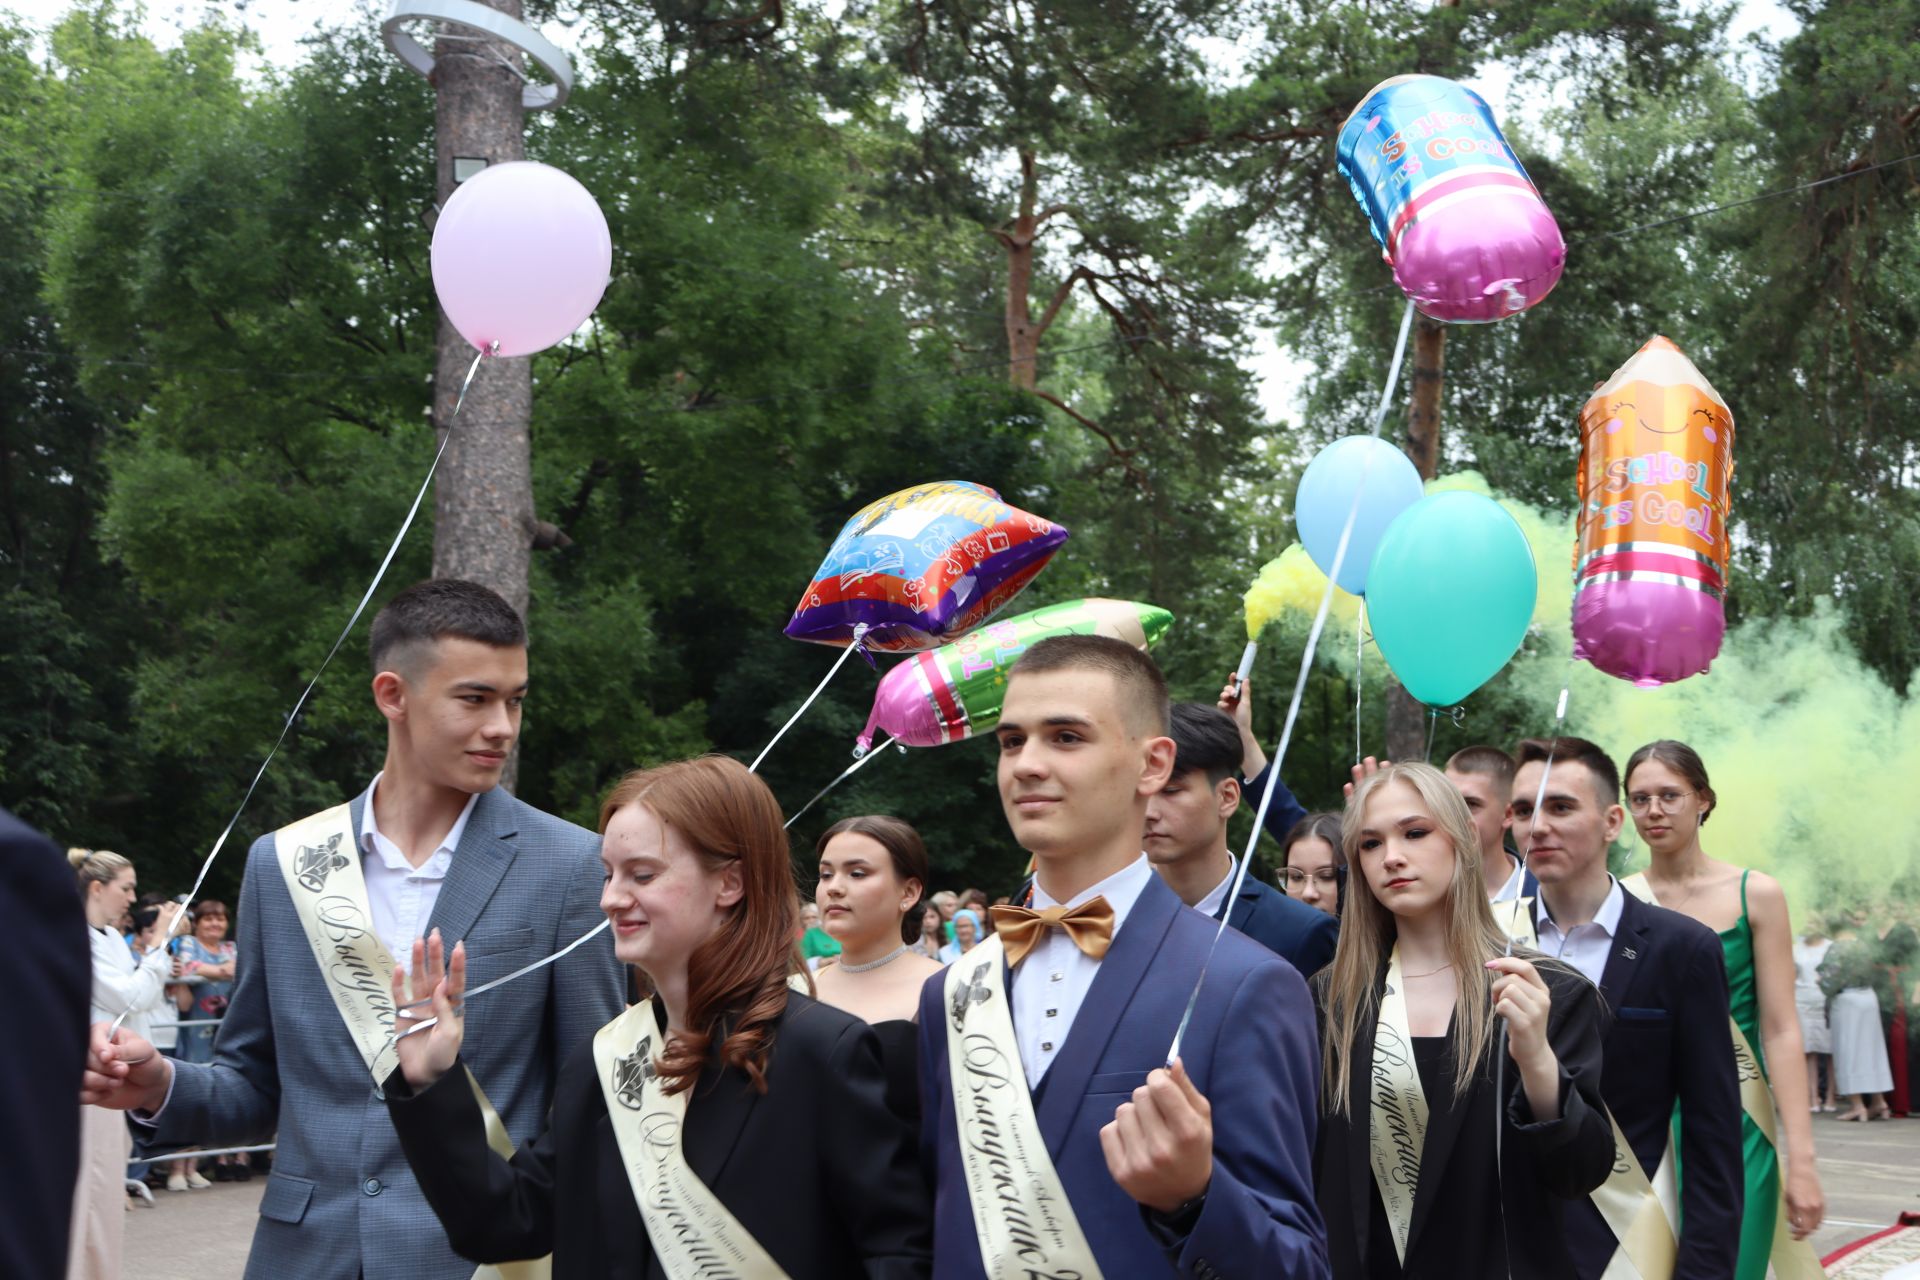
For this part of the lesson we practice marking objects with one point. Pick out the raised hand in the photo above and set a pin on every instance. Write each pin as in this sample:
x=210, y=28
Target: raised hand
x=427, y=1055
x=1360, y=773
x=123, y=1072
x=1159, y=1146
x=1237, y=702
x=1520, y=996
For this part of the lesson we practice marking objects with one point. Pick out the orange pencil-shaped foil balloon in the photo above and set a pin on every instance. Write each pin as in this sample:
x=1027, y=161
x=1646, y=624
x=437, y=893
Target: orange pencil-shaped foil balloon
x=1650, y=568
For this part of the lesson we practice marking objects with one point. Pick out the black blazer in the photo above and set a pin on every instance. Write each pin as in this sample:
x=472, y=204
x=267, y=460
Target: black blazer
x=818, y=1170
x=1665, y=986
x=1456, y=1230
x=1296, y=932
x=46, y=932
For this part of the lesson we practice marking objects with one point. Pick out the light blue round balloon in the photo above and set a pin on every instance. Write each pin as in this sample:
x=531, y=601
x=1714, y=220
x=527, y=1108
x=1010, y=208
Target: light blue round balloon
x=1387, y=484
x=1449, y=595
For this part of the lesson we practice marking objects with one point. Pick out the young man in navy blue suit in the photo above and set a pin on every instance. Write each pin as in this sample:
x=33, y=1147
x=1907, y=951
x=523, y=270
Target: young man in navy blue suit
x=1664, y=978
x=1187, y=844
x=1201, y=1169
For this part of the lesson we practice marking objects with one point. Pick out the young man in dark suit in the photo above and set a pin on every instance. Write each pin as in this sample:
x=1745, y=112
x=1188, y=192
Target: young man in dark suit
x=1187, y=844
x=1073, y=1127
x=42, y=920
x=1664, y=978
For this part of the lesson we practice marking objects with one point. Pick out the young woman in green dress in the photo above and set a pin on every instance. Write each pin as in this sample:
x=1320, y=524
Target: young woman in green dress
x=1671, y=799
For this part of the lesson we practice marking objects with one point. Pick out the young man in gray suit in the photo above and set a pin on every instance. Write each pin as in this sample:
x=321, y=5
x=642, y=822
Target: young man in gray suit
x=440, y=847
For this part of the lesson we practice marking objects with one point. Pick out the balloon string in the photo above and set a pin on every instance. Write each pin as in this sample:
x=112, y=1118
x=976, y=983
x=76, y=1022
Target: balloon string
x=286, y=725
x=1433, y=725
x=845, y=773
x=859, y=634
x=1540, y=793
x=1359, y=671
x=521, y=972
x=1300, y=681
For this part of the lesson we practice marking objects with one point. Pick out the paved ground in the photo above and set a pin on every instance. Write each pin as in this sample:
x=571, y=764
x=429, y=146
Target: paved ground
x=1871, y=1173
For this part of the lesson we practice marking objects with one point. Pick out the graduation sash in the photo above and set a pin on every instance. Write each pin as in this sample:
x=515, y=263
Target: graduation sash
x=321, y=865
x=1397, y=1110
x=693, y=1234
x=1792, y=1259
x=1021, y=1214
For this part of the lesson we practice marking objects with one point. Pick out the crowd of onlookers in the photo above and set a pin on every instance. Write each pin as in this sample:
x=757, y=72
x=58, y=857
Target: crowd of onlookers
x=170, y=978
x=1852, y=993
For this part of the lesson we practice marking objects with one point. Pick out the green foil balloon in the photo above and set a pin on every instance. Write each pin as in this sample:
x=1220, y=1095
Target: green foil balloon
x=955, y=691
x=1449, y=595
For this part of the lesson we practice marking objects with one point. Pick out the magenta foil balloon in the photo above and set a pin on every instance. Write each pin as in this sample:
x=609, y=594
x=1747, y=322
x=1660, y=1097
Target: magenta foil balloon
x=1465, y=230
x=521, y=255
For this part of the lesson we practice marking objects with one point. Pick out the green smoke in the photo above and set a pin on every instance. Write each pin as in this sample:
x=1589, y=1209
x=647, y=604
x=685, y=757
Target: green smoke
x=1815, y=759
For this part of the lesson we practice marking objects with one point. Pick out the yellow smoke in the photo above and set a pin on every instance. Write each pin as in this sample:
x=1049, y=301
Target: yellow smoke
x=1815, y=758
x=1292, y=583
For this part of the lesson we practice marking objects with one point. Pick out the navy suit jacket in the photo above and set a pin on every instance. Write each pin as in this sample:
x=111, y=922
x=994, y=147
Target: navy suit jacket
x=1251, y=1049
x=1285, y=809
x=41, y=918
x=1665, y=985
x=1300, y=934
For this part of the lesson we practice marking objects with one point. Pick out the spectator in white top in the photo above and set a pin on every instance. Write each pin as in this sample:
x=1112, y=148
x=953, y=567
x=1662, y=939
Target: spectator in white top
x=121, y=984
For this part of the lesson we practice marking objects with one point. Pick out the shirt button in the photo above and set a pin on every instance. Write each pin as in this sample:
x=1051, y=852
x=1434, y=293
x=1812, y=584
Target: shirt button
x=1053, y=1013
x=372, y=1186
x=1058, y=977
x=1047, y=1045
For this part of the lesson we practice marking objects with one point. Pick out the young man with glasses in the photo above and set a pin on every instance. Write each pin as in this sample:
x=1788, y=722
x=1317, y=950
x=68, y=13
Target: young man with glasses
x=1186, y=842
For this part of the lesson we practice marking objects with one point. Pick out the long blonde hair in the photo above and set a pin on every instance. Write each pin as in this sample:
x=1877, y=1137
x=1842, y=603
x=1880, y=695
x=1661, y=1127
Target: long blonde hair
x=1368, y=930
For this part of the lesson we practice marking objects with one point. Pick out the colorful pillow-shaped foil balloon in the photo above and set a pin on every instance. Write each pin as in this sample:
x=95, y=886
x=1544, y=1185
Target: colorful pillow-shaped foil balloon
x=957, y=690
x=923, y=565
x=1461, y=223
x=1656, y=467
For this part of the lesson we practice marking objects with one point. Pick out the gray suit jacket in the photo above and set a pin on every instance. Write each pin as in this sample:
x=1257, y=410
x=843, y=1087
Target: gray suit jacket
x=341, y=1202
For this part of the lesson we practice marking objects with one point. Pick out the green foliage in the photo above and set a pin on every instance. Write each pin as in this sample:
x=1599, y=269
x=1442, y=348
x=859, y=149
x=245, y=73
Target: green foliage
x=217, y=329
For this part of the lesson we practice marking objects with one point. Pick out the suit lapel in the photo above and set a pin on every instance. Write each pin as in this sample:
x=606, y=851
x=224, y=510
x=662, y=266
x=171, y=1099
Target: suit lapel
x=479, y=862
x=722, y=1100
x=1443, y=1127
x=1243, y=908
x=1360, y=1113
x=1629, y=947
x=1119, y=976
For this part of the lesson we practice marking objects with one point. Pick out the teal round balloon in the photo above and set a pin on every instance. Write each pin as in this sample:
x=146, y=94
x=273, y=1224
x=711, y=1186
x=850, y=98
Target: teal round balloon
x=1449, y=594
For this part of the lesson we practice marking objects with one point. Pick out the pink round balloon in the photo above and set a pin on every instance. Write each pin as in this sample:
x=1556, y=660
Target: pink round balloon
x=521, y=256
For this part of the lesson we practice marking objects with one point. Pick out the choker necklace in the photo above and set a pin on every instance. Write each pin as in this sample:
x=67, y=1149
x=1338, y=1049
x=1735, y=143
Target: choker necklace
x=888, y=958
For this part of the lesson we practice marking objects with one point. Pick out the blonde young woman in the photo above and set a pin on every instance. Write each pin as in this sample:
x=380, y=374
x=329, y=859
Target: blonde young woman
x=1670, y=799
x=121, y=985
x=1435, y=1040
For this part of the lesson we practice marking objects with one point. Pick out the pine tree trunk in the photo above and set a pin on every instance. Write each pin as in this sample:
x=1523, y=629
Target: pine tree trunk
x=1023, y=337
x=483, y=493
x=1407, y=719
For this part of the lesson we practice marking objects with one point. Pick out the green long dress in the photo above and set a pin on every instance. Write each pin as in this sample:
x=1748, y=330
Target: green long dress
x=1762, y=1163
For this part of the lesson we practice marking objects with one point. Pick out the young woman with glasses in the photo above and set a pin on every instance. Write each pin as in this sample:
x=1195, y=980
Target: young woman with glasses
x=1670, y=799
x=1312, y=867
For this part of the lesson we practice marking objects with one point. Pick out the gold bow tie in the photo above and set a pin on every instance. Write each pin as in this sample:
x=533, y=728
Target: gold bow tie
x=1090, y=925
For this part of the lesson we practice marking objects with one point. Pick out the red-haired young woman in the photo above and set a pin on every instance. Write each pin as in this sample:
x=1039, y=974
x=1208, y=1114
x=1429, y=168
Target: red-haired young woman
x=729, y=1121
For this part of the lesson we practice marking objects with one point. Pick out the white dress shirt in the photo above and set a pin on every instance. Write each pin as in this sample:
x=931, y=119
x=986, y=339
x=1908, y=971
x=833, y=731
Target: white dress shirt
x=1585, y=946
x=400, y=894
x=1051, y=982
x=1209, y=906
x=1511, y=889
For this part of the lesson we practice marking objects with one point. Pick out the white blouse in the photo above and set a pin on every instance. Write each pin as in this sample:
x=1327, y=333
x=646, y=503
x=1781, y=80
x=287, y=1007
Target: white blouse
x=122, y=981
